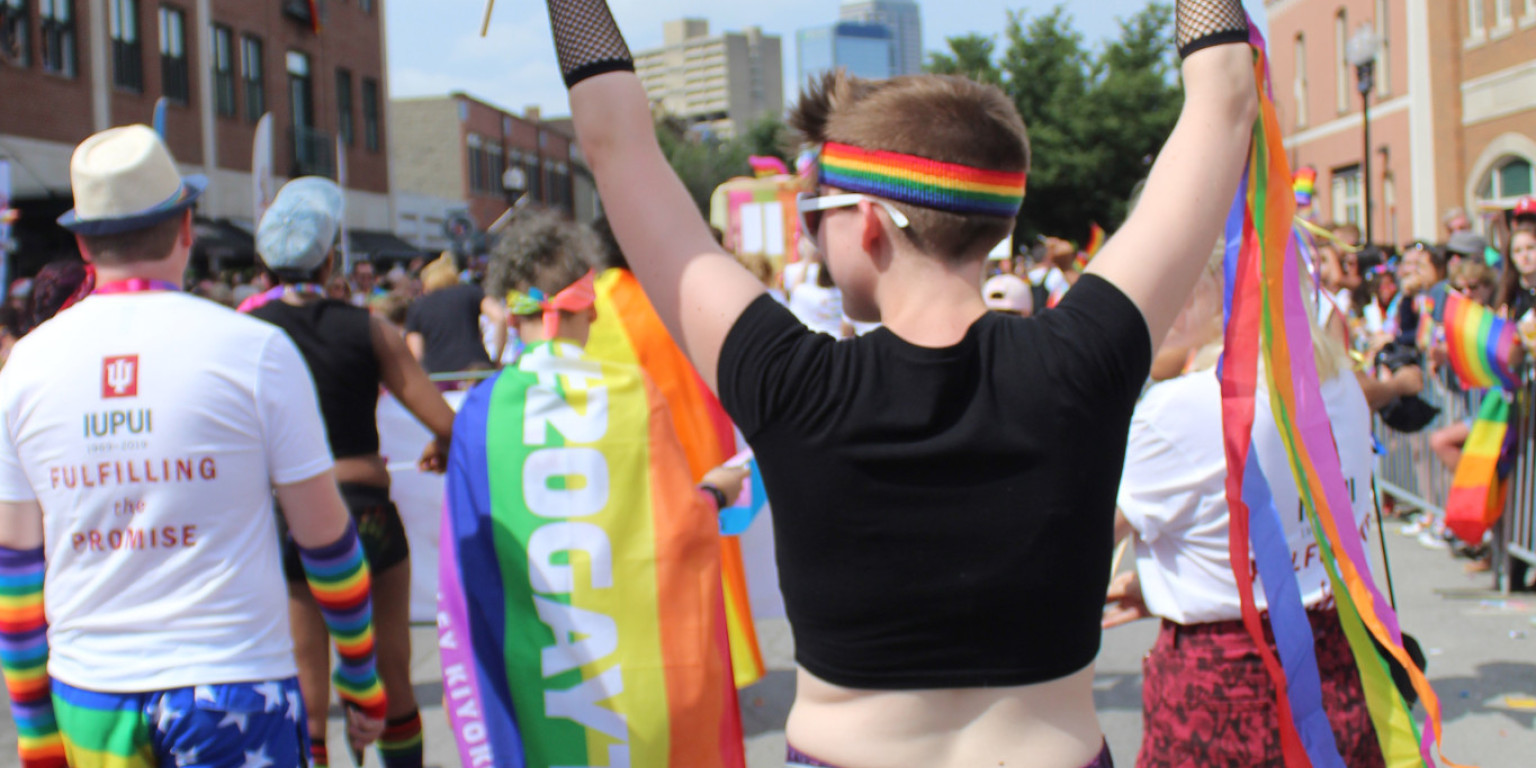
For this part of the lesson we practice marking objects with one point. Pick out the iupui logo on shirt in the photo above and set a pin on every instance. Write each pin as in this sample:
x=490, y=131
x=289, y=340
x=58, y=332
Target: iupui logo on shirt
x=120, y=376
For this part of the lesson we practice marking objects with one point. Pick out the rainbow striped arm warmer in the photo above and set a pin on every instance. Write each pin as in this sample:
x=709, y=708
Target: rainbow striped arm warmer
x=24, y=658
x=338, y=577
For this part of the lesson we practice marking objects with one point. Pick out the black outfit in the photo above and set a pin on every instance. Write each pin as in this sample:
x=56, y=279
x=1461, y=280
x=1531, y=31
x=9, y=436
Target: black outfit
x=944, y=517
x=336, y=340
x=449, y=323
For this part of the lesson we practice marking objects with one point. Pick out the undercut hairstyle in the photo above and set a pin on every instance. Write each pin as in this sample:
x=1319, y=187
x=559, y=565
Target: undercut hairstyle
x=946, y=118
x=544, y=250
x=151, y=243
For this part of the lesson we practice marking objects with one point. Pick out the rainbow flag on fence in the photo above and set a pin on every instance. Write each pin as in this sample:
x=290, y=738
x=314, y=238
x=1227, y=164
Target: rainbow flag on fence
x=1481, y=483
x=1480, y=344
x=593, y=633
x=629, y=331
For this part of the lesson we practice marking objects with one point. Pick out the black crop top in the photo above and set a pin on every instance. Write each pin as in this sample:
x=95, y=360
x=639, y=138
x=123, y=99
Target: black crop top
x=336, y=340
x=943, y=517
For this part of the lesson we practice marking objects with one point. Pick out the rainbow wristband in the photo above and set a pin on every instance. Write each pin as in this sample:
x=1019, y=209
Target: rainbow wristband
x=24, y=658
x=339, y=579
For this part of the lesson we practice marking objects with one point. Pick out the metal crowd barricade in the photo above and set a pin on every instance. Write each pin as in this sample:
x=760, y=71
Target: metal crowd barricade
x=1410, y=472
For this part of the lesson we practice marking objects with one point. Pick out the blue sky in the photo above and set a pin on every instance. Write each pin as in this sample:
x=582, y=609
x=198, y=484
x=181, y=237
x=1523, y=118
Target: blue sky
x=435, y=47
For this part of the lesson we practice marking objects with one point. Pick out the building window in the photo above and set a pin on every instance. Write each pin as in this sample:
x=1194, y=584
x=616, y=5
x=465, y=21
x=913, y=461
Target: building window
x=344, y=123
x=15, y=33
x=1301, y=81
x=58, y=36
x=1477, y=28
x=253, y=74
x=175, y=80
x=1346, y=196
x=224, y=71
x=365, y=5
x=1503, y=15
x=371, y=114
x=1384, y=53
x=127, y=51
x=493, y=169
x=1510, y=180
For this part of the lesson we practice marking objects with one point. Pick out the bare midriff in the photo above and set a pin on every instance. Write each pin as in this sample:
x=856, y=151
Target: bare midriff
x=1043, y=725
x=363, y=470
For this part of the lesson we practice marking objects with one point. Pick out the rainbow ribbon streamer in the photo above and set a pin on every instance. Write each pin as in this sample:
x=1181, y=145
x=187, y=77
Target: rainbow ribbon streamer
x=1096, y=238
x=629, y=331
x=593, y=633
x=1480, y=344
x=1266, y=317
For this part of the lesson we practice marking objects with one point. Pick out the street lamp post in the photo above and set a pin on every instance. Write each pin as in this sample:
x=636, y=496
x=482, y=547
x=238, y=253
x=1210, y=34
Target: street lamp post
x=1362, y=54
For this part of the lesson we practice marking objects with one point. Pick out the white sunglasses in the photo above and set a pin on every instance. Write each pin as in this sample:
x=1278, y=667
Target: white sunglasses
x=812, y=206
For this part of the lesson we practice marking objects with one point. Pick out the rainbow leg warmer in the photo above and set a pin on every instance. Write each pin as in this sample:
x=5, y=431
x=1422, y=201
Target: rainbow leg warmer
x=319, y=756
x=400, y=746
x=24, y=658
x=338, y=577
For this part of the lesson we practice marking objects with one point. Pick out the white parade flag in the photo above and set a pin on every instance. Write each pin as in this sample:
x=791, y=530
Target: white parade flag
x=261, y=168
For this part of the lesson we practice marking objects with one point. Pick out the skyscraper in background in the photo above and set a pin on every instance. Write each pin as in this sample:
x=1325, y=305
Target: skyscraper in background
x=905, y=20
x=864, y=50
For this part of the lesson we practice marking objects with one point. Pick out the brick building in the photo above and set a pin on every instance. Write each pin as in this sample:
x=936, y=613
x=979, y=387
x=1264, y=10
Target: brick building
x=450, y=154
x=69, y=68
x=1453, y=110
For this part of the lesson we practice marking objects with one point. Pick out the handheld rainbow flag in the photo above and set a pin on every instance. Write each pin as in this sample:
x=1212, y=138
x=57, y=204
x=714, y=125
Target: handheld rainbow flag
x=1481, y=344
x=1096, y=238
x=1305, y=186
x=629, y=331
x=594, y=632
x=1481, y=483
x=1266, y=317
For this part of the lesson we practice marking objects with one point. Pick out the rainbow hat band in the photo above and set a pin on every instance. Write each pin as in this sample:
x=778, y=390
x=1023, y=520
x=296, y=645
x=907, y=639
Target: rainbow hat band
x=922, y=182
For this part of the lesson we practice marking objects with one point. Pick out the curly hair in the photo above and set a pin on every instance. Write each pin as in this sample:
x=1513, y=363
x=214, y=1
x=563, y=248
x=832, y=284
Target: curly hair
x=544, y=250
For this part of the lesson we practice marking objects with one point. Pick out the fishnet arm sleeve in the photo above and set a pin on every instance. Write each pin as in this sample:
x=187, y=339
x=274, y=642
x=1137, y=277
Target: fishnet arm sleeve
x=587, y=40
x=1205, y=23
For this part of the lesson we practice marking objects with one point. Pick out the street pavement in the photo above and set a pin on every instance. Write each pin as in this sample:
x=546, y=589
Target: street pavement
x=1481, y=648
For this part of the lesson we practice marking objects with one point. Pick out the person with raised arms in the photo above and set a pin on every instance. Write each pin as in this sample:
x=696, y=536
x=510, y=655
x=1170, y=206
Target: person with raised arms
x=944, y=487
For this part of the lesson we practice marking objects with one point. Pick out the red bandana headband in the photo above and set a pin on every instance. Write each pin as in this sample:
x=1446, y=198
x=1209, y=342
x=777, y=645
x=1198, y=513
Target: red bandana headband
x=576, y=297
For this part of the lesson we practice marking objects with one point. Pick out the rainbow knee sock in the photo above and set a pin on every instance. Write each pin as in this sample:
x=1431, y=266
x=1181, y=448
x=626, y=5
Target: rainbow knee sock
x=24, y=658
x=400, y=746
x=338, y=577
x=318, y=756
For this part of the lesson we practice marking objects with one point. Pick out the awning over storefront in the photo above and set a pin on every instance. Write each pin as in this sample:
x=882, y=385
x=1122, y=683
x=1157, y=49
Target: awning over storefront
x=372, y=245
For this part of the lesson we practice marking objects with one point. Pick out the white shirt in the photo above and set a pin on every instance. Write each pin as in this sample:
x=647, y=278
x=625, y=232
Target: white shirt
x=820, y=309
x=1174, y=493
x=150, y=428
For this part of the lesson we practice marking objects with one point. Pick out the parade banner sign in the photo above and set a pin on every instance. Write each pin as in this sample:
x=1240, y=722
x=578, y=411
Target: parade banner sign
x=593, y=634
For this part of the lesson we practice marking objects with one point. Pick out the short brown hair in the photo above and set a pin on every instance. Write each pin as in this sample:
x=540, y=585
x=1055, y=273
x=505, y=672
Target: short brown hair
x=541, y=249
x=152, y=243
x=940, y=117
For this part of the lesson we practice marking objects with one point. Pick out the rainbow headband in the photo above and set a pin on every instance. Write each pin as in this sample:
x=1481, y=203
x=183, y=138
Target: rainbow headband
x=576, y=297
x=922, y=182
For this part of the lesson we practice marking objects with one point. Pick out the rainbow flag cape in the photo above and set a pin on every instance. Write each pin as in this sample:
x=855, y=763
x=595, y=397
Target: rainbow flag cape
x=629, y=331
x=1267, y=318
x=580, y=617
x=1481, y=483
x=1480, y=344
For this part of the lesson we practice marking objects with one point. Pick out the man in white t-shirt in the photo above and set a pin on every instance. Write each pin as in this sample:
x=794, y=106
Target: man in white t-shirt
x=142, y=434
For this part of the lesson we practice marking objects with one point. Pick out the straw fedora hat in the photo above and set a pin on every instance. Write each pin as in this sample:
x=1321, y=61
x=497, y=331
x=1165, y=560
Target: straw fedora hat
x=125, y=180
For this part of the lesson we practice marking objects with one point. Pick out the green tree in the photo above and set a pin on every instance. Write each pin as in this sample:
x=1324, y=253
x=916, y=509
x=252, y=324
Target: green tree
x=969, y=55
x=704, y=162
x=1096, y=118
